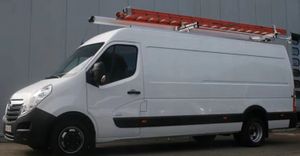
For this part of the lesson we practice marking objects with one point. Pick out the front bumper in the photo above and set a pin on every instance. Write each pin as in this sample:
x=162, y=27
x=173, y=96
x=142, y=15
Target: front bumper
x=32, y=129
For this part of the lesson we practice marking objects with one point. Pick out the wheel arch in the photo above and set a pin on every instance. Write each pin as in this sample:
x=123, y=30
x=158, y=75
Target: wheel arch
x=256, y=111
x=79, y=116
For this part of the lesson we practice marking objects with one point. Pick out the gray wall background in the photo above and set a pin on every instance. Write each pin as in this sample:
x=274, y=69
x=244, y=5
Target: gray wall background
x=37, y=35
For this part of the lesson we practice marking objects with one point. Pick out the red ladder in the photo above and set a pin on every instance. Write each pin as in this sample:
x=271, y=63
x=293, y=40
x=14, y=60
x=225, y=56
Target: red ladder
x=153, y=17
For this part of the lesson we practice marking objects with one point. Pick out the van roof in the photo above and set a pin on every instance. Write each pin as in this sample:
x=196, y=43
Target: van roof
x=136, y=34
x=196, y=42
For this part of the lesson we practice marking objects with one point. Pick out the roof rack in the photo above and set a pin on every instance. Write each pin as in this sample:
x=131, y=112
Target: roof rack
x=131, y=16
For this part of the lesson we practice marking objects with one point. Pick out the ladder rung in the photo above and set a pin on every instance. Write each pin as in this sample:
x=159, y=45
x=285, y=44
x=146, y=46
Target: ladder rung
x=146, y=16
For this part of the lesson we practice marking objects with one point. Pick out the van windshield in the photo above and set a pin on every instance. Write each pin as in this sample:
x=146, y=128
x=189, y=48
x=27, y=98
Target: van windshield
x=78, y=57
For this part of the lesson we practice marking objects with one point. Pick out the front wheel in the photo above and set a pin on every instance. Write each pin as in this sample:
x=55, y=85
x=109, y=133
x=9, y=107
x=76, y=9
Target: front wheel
x=253, y=133
x=71, y=137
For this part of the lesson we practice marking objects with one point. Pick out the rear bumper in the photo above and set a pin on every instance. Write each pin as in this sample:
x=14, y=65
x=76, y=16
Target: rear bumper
x=32, y=129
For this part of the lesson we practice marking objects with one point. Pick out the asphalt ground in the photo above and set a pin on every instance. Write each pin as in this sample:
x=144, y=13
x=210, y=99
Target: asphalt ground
x=282, y=143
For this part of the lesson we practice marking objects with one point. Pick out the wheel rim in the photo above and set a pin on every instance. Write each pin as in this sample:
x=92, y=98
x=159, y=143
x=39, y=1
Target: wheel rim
x=255, y=132
x=71, y=140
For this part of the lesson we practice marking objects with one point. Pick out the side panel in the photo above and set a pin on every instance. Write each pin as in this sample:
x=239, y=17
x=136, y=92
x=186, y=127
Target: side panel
x=180, y=73
x=181, y=82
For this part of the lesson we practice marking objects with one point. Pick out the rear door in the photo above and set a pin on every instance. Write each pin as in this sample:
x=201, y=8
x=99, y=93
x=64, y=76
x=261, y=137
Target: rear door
x=294, y=54
x=122, y=93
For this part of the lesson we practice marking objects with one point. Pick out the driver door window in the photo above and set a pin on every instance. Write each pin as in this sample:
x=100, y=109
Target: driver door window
x=119, y=61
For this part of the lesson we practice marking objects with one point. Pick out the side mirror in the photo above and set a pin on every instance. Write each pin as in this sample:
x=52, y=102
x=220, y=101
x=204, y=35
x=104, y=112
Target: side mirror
x=98, y=72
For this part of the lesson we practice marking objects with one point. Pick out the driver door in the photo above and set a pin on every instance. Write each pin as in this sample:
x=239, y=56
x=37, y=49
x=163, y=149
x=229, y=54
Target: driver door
x=120, y=93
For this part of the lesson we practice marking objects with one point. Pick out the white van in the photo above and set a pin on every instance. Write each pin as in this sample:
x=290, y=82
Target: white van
x=135, y=83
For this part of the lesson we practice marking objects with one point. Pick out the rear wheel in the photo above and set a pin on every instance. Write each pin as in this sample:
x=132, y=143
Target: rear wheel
x=253, y=133
x=71, y=137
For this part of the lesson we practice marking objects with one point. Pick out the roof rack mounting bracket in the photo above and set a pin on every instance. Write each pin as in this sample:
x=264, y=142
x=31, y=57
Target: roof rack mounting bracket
x=270, y=37
x=186, y=27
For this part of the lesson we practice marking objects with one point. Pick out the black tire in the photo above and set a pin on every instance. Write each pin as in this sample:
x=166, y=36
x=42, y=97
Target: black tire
x=71, y=137
x=253, y=133
x=205, y=139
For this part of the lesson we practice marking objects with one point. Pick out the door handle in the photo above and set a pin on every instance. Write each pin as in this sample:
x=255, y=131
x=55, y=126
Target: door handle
x=133, y=92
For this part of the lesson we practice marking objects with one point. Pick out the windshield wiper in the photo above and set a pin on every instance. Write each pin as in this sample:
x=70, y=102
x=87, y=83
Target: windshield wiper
x=52, y=77
x=55, y=76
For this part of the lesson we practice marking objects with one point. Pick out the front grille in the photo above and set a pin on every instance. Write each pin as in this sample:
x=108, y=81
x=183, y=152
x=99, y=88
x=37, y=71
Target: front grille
x=13, y=110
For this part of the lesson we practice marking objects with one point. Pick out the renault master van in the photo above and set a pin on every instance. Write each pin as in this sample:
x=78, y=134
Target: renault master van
x=134, y=83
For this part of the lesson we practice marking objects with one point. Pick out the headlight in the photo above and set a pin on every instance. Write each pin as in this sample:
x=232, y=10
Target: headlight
x=37, y=98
